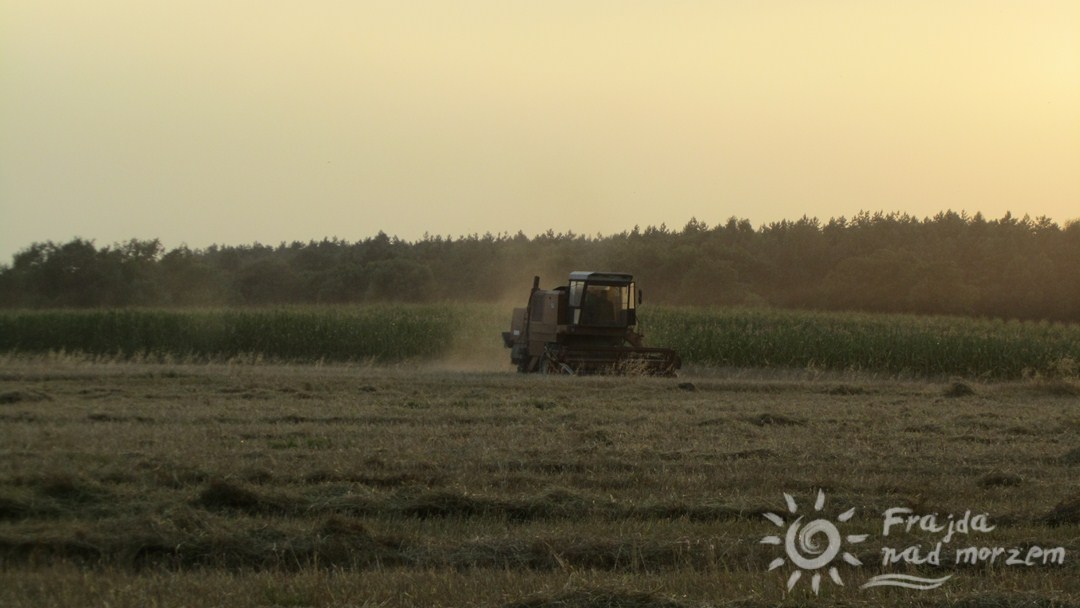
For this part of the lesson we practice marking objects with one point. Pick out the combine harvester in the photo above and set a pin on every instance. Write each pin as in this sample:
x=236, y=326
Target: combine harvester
x=586, y=327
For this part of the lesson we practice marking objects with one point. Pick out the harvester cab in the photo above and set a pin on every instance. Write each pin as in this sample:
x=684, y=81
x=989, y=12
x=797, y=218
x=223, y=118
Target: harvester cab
x=586, y=326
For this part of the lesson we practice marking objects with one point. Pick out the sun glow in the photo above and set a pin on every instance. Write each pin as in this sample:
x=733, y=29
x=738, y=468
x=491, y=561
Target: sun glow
x=234, y=122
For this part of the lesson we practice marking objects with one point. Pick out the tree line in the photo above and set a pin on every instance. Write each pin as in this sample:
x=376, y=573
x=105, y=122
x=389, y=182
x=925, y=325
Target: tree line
x=951, y=263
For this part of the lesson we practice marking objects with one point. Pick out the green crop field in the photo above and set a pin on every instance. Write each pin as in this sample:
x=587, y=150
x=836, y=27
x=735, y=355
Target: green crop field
x=135, y=484
x=905, y=345
x=378, y=333
x=901, y=346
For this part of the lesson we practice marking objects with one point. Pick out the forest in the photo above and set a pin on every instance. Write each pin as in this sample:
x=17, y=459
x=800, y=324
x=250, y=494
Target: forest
x=951, y=263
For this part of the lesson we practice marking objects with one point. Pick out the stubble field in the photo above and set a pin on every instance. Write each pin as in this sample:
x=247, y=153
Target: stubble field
x=129, y=484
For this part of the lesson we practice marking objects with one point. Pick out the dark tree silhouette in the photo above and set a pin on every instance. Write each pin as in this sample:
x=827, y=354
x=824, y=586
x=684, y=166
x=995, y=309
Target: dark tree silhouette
x=951, y=263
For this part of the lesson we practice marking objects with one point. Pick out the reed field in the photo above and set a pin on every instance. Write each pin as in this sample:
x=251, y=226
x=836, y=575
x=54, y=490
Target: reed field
x=895, y=345
x=130, y=483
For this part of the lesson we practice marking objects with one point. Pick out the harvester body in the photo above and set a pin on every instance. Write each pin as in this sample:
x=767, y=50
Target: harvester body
x=584, y=327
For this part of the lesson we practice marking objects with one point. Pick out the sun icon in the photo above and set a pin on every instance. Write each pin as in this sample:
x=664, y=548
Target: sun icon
x=813, y=546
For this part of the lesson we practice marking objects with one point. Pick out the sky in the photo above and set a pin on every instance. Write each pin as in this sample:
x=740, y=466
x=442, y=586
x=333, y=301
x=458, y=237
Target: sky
x=236, y=121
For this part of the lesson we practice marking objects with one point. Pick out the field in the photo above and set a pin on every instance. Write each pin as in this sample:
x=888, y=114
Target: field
x=895, y=345
x=458, y=483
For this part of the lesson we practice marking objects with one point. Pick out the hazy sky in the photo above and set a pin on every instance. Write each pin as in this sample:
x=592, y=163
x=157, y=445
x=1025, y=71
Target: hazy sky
x=234, y=121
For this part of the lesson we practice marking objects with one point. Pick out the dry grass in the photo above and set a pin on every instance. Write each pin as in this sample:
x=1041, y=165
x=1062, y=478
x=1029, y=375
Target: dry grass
x=258, y=485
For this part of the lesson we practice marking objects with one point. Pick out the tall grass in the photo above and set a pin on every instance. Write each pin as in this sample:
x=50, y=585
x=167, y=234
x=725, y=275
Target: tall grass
x=896, y=344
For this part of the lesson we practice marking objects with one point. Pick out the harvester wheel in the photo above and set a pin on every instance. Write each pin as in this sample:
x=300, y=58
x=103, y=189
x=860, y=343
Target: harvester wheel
x=550, y=366
x=546, y=366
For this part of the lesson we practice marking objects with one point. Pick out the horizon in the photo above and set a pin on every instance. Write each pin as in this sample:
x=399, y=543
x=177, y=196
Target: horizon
x=569, y=233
